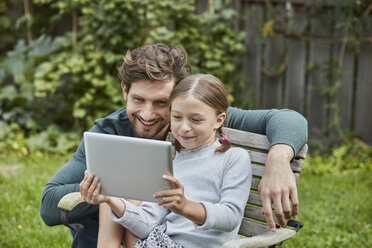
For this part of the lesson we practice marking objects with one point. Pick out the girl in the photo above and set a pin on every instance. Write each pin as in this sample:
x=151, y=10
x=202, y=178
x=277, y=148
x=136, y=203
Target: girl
x=206, y=203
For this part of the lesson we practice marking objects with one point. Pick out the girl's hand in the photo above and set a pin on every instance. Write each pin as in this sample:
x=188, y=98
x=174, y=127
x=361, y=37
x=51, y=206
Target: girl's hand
x=173, y=199
x=90, y=188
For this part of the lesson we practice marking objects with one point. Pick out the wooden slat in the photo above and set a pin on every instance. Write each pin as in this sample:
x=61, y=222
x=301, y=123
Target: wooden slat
x=255, y=183
x=302, y=152
x=260, y=158
x=257, y=170
x=255, y=214
x=255, y=199
x=249, y=228
x=248, y=139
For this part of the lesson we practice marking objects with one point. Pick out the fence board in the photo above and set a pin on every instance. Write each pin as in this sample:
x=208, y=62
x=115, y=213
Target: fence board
x=274, y=56
x=201, y=6
x=295, y=73
x=345, y=94
x=302, y=86
x=252, y=57
x=363, y=116
x=319, y=53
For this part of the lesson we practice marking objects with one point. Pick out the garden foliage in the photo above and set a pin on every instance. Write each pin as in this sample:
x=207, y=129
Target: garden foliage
x=65, y=78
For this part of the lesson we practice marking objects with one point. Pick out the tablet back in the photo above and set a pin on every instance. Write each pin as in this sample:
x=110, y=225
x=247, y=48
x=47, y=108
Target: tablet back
x=128, y=167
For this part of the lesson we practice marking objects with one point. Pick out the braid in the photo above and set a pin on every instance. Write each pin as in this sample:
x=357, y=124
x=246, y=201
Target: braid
x=177, y=146
x=225, y=143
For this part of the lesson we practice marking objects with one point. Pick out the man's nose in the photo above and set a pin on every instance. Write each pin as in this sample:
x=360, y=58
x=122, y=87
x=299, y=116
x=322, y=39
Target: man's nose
x=148, y=112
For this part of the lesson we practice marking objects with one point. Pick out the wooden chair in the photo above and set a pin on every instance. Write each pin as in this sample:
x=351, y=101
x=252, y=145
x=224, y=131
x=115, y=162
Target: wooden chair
x=254, y=225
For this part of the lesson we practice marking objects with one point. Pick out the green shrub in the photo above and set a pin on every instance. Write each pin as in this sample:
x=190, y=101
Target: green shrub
x=353, y=154
x=70, y=79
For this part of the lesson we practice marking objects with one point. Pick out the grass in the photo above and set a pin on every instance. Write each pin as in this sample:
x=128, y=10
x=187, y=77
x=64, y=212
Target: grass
x=22, y=180
x=336, y=209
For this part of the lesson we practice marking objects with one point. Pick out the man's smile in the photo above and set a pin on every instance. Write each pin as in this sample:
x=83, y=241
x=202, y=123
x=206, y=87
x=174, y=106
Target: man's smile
x=147, y=123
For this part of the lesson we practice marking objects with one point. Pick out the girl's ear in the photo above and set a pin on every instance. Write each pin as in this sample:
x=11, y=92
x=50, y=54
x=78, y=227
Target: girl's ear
x=220, y=119
x=125, y=91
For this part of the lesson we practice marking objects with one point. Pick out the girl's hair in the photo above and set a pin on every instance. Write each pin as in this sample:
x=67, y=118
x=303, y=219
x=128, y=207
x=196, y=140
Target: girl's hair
x=208, y=89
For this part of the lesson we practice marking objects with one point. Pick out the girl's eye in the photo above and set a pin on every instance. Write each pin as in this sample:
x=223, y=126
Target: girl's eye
x=196, y=120
x=176, y=117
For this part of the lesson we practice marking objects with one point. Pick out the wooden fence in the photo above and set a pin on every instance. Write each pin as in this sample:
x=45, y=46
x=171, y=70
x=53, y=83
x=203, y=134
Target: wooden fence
x=291, y=69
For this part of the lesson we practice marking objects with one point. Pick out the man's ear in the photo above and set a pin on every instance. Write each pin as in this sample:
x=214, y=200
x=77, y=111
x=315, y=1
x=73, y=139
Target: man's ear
x=125, y=91
x=220, y=119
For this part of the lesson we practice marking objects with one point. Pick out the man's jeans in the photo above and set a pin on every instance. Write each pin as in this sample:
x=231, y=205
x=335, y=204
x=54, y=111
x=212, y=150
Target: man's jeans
x=89, y=236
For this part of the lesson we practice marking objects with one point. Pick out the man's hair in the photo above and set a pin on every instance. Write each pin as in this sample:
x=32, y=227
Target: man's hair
x=208, y=89
x=155, y=62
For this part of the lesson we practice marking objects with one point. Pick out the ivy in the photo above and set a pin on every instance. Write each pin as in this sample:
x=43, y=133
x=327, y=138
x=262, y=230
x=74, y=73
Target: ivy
x=67, y=76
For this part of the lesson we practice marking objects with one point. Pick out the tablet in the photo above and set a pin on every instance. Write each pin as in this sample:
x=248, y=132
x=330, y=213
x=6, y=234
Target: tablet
x=128, y=167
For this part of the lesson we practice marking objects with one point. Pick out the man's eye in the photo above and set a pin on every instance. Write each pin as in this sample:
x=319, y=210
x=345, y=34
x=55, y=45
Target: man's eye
x=162, y=104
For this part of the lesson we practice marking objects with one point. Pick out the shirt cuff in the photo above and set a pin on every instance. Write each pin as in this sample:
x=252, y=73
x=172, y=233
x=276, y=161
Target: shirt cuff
x=130, y=214
x=210, y=218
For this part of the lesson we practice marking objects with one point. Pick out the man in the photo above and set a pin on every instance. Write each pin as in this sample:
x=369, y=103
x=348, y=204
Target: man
x=148, y=74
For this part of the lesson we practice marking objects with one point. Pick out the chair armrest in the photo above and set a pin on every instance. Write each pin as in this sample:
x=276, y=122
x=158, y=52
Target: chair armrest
x=69, y=201
x=262, y=240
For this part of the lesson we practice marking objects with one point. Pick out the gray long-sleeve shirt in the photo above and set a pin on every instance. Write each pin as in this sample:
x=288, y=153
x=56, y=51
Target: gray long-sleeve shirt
x=281, y=126
x=220, y=181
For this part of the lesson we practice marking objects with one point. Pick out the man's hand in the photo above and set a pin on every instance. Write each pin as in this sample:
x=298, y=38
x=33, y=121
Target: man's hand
x=90, y=189
x=278, y=186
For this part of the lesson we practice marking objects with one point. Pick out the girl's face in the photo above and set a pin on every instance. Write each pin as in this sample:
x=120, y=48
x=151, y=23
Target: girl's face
x=194, y=123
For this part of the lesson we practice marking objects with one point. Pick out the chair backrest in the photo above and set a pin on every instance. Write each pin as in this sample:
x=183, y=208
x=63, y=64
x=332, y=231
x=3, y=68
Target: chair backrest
x=257, y=145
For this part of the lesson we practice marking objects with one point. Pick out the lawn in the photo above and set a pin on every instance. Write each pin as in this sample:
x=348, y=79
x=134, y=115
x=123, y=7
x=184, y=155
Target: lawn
x=22, y=180
x=336, y=209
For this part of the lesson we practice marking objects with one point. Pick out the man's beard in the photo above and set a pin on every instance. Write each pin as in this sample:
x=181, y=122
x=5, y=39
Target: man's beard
x=149, y=133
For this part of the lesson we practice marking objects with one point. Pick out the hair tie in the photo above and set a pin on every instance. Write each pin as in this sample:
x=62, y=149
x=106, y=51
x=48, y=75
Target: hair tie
x=224, y=139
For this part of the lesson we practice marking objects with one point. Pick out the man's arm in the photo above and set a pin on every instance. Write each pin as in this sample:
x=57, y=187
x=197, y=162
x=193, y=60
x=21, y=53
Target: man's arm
x=65, y=181
x=278, y=186
x=287, y=133
x=68, y=178
x=280, y=126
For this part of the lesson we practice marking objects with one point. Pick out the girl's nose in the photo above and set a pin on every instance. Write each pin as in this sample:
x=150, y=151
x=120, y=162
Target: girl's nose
x=185, y=126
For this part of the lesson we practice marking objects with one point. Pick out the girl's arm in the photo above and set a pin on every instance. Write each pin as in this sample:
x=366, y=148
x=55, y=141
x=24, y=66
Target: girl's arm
x=227, y=214
x=139, y=220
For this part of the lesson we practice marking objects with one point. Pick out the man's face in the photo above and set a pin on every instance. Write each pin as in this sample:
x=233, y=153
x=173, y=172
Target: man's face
x=147, y=107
